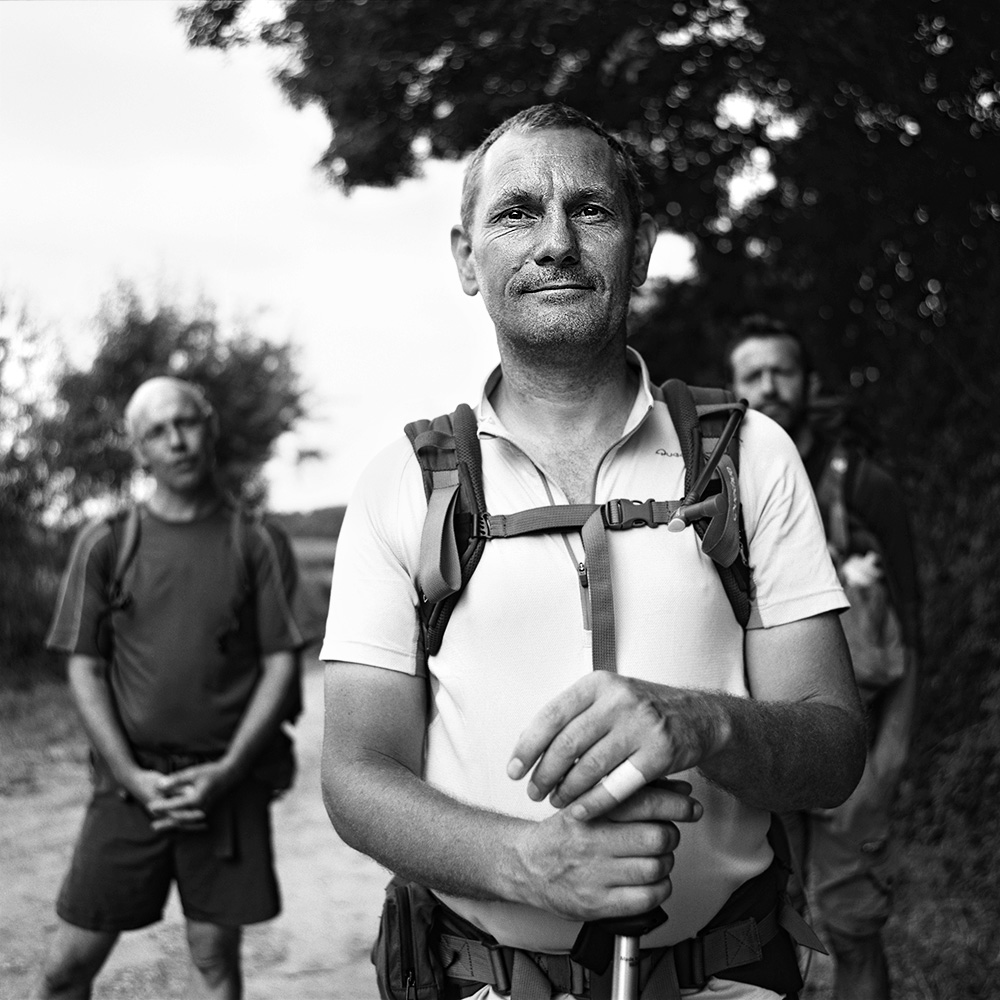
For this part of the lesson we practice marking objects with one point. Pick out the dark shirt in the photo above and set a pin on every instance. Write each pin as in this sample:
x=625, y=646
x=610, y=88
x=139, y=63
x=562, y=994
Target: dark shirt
x=187, y=647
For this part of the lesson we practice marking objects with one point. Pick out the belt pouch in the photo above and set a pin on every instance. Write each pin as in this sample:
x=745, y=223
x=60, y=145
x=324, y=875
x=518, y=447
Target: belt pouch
x=405, y=953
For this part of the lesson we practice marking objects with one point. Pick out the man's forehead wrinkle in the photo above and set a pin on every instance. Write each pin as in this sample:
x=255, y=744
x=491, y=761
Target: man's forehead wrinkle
x=528, y=166
x=548, y=187
x=513, y=194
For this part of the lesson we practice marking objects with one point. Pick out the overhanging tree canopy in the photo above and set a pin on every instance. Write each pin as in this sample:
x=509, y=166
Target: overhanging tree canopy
x=871, y=130
x=877, y=123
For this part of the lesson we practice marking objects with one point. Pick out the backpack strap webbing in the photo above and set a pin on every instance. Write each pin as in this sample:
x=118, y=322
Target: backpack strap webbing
x=457, y=524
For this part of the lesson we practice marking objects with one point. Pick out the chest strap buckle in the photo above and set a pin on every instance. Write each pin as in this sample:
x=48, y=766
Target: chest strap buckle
x=621, y=514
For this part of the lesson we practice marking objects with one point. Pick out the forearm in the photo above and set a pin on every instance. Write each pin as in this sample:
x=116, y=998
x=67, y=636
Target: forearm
x=784, y=756
x=91, y=692
x=381, y=808
x=262, y=717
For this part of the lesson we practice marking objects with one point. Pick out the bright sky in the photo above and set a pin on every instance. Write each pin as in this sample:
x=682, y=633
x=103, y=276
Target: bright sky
x=126, y=155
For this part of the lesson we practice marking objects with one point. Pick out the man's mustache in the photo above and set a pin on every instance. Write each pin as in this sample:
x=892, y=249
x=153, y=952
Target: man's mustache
x=524, y=284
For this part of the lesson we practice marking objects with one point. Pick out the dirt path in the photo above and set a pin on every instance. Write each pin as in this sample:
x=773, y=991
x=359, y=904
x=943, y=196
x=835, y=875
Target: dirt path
x=317, y=948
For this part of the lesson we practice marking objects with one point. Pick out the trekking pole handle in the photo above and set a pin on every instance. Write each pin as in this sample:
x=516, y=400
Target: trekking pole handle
x=692, y=512
x=735, y=418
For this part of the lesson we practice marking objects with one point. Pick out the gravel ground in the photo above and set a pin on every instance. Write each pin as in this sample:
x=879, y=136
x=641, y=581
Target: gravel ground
x=317, y=948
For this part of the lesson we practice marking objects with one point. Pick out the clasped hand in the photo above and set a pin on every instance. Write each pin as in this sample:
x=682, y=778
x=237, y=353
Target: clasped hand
x=180, y=801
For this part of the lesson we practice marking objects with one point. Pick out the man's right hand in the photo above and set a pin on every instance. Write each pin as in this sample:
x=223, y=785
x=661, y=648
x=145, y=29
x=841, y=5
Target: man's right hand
x=155, y=791
x=617, y=865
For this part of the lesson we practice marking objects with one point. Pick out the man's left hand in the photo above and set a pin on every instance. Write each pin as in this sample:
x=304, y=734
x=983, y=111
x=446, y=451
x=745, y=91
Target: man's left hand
x=603, y=720
x=186, y=795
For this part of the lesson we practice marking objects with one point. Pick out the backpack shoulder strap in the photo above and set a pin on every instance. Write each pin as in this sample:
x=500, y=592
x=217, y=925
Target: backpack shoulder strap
x=127, y=542
x=447, y=450
x=706, y=420
x=831, y=495
x=242, y=522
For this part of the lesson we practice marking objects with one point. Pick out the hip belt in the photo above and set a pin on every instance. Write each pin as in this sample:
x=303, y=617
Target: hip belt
x=663, y=972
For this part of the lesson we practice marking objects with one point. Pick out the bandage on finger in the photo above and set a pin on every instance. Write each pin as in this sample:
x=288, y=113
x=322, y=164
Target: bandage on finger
x=625, y=780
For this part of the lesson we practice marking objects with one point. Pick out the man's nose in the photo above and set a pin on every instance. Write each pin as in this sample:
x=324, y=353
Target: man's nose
x=176, y=438
x=557, y=243
x=767, y=383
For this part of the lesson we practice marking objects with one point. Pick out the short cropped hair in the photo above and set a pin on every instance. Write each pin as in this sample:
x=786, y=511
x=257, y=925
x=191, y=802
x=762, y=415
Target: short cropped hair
x=554, y=115
x=762, y=325
x=137, y=403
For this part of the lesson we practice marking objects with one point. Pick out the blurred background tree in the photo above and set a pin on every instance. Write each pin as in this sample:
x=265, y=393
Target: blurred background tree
x=27, y=563
x=251, y=382
x=833, y=164
x=62, y=450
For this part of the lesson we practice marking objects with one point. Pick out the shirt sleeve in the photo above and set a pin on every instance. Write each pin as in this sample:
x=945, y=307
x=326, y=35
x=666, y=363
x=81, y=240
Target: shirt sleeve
x=373, y=600
x=82, y=602
x=276, y=582
x=793, y=574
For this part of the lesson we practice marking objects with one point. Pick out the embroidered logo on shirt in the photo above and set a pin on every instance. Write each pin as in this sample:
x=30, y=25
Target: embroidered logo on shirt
x=669, y=454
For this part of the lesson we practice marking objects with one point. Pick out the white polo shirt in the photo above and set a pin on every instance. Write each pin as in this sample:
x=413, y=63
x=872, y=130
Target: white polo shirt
x=520, y=634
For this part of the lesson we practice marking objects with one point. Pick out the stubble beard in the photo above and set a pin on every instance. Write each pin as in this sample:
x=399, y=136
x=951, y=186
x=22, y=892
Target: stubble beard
x=572, y=340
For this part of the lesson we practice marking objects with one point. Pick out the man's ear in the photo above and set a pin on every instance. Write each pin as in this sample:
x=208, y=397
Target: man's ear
x=461, y=250
x=814, y=389
x=140, y=458
x=642, y=248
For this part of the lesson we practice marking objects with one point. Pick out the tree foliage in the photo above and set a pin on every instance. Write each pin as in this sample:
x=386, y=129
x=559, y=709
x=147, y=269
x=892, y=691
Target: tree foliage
x=876, y=121
x=251, y=382
x=28, y=564
x=833, y=163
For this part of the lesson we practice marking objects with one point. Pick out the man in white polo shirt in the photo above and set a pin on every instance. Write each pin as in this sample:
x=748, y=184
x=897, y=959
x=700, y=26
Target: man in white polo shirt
x=426, y=776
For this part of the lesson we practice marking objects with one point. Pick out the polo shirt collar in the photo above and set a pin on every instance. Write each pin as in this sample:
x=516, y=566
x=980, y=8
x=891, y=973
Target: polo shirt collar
x=490, y=425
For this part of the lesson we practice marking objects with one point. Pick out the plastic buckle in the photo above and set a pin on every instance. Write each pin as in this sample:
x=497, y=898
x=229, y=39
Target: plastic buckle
x=689, y=961
x=489, y=525
x=502, y=965
x=621, y=514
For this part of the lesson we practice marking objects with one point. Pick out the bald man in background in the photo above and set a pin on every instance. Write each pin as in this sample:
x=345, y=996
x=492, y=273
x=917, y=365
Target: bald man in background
x=182, y=666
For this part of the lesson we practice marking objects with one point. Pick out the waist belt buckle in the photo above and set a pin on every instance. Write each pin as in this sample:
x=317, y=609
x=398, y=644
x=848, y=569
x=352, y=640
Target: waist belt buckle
x=501, y=964
x=621, y=514
x=689, y=961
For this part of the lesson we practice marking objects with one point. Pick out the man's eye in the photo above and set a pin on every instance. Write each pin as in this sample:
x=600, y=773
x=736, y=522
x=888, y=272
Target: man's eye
x=592, y=212
x=513, y=215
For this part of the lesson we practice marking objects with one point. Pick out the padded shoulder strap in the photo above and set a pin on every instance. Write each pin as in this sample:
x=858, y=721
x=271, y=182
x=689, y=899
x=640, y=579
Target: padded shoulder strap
x=242, y=522
x=439, y=571
x=128, y=543
x=681, y=404
x=447, y=449
x=714, y=407
x=706, y=420
x=831, y=495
